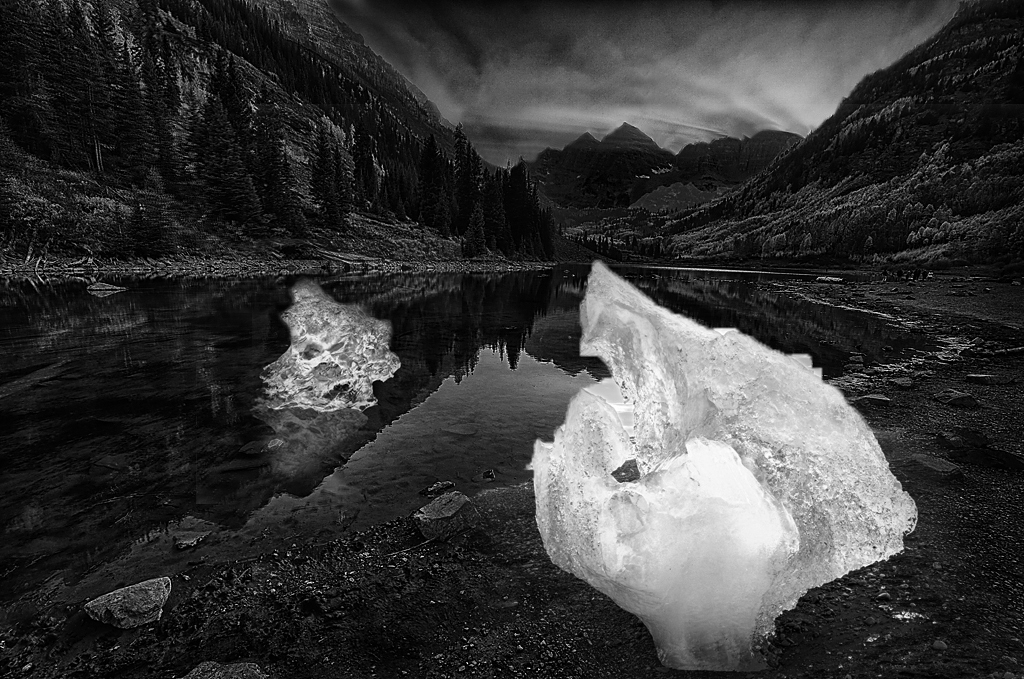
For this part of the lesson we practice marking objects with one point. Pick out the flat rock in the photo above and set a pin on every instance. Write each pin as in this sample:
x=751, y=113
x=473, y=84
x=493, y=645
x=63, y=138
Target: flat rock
x=215, y=670
x=936, y=466
x=987, y=379
x=957, y=399
x=445, y=516
x=133, y=605
x=872, y=400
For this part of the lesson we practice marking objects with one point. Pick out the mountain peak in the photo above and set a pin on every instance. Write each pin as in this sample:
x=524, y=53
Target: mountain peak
x=585, y=140
x=628, y=136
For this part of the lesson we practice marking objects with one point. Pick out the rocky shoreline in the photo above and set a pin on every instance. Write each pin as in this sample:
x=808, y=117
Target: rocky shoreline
x=386, y=602
x=243, y=267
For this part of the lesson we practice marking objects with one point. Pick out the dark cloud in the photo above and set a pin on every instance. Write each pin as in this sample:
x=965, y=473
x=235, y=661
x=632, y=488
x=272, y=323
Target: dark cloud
x=524, y=76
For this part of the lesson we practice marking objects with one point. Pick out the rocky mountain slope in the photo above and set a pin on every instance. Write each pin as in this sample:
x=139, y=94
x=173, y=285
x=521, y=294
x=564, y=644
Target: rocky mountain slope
x=923, y=162
x=178, y=128
x=314, y=24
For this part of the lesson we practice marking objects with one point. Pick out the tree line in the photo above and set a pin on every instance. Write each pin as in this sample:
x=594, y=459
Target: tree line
x=181, y=119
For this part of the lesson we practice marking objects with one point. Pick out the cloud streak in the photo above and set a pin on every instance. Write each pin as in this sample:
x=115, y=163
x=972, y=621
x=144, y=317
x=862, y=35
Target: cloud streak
x=525, y=76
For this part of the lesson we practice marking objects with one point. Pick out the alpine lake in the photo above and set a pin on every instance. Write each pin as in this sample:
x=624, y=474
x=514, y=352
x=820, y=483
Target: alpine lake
x=130, y=419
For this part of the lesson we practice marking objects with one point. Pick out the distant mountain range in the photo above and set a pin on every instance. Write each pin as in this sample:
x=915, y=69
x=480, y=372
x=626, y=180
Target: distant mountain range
x=923, y=162
x=627, y=167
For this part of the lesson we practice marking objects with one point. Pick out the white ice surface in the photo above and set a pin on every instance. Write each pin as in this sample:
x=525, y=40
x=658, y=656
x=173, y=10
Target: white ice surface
x=758, y=481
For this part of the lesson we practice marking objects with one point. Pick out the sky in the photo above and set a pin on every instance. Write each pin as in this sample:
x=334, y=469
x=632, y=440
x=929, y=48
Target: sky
x=524, y=76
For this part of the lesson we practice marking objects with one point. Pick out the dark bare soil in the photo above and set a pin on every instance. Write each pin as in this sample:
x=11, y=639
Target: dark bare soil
x=381, y=603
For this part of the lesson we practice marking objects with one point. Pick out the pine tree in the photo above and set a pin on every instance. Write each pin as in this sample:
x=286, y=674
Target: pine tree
x=474, y=243
x=426, y=187
x=518, y=208
x=365, y=171
x=495, y=226
x=20, y=63
x=435, y=189
x=163, y=98
x=468, y=172
x=227, y=84
x=227, y=186
x=274, y=181
x=324, y=182
x=72, y=80
x=135, y=143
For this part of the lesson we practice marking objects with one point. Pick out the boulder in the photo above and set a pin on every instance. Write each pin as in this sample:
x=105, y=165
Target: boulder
x=957, y=399
x=131, y=606
x=446, y=516
x=215, y=670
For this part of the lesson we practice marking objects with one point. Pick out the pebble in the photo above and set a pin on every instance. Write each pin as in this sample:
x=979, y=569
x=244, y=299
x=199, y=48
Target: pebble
x=939, y=645
x=884, y=596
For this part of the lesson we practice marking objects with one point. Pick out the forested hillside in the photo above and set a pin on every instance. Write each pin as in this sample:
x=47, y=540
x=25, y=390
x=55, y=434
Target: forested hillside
x=133, y=128
x=923, y=162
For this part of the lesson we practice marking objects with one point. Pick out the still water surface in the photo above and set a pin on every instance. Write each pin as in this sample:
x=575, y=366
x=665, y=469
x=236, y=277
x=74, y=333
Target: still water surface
x=126, y=418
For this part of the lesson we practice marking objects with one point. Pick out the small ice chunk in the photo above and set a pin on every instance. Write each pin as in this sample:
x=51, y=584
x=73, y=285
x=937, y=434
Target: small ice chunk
x=757, y=481
x=337, y=352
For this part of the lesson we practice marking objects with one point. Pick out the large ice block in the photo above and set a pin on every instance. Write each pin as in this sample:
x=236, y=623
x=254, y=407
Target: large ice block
x=337, y=351
x=758, y=481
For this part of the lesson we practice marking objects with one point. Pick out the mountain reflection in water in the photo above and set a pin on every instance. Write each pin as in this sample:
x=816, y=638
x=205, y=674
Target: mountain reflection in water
x=121, y=416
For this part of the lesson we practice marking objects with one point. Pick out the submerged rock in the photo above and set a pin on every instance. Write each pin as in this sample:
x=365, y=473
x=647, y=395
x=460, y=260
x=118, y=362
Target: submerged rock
x=757, y=481
x=131, y=606
x=189, y=539
x=438, y=488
